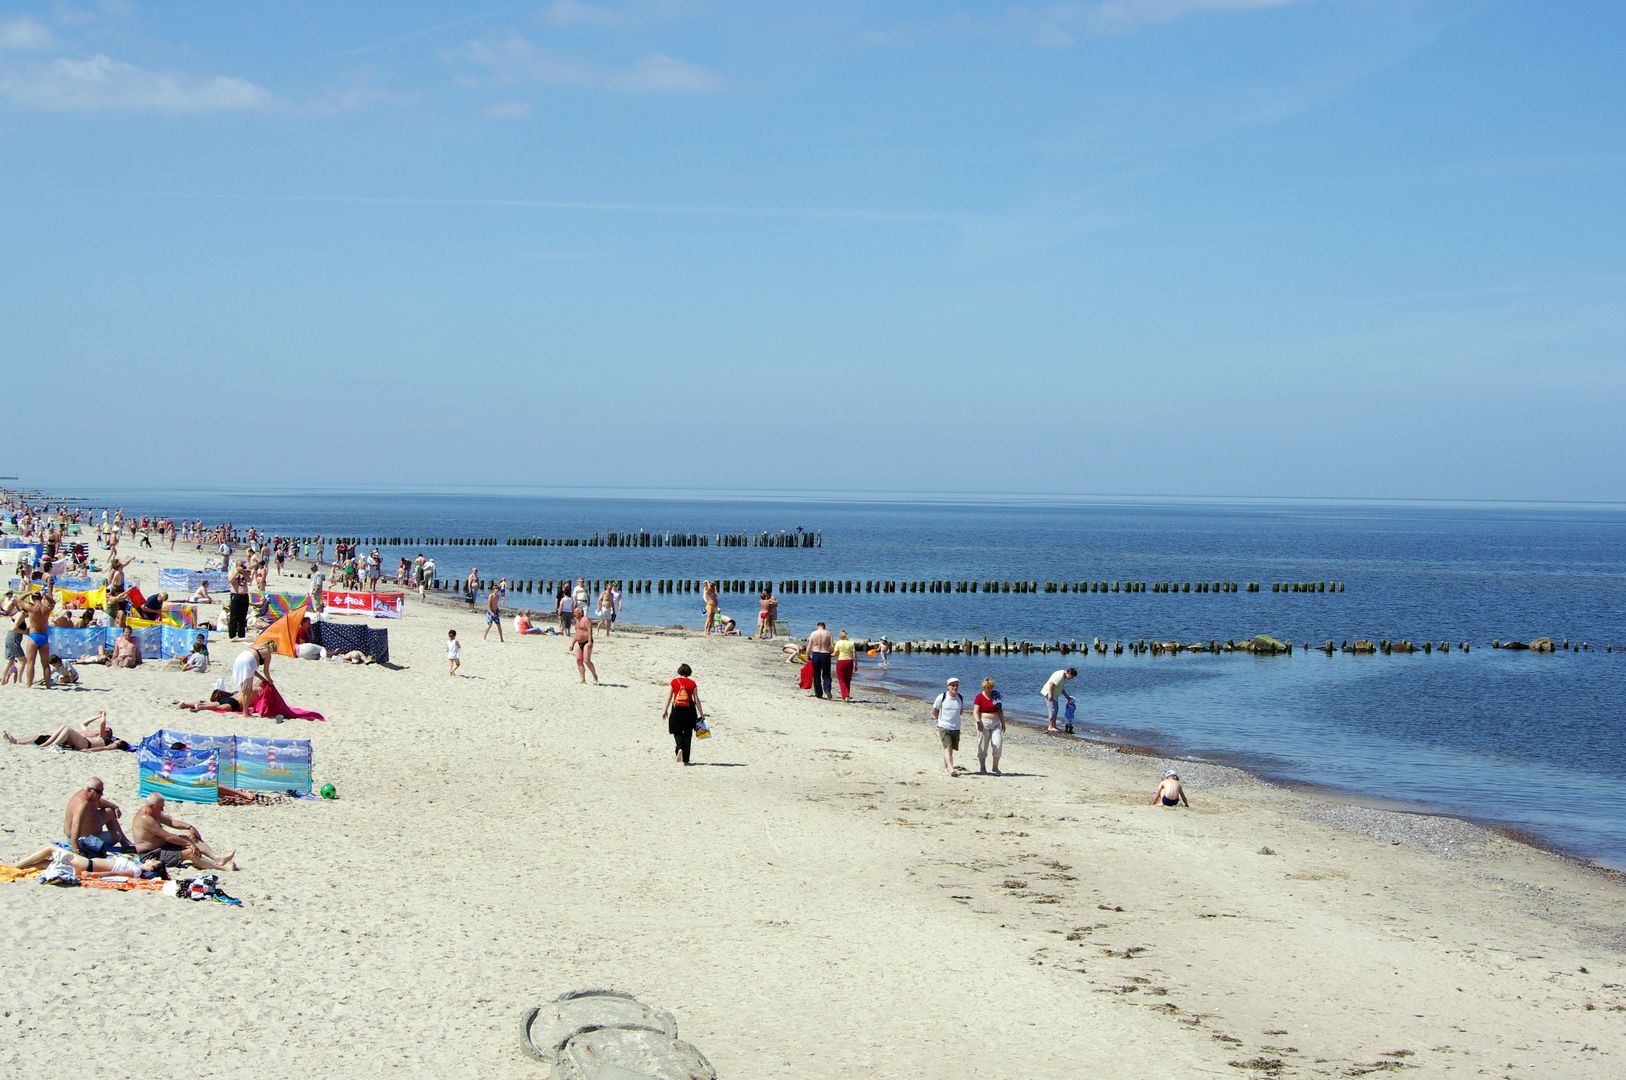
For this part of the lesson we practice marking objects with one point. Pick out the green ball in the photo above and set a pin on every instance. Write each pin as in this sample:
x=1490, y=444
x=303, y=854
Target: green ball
x=328, y=792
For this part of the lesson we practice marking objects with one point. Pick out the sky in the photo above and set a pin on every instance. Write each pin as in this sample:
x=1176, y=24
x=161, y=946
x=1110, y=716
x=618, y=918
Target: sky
x=1314, y=248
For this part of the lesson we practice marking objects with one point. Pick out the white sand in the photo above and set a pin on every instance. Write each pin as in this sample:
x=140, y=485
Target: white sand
x=829, y=906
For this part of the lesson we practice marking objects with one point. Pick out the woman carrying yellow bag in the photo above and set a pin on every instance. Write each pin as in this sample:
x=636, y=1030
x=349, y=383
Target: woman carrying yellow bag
x=683, y=714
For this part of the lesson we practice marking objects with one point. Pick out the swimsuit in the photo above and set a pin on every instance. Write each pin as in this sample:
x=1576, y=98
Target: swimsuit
x=1170, y=802
x=42, y=640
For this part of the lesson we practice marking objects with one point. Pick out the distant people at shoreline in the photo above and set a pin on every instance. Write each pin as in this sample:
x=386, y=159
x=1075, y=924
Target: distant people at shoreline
x=947, y=708
x=820, y=648
x=1052, y=691
x=989, y=711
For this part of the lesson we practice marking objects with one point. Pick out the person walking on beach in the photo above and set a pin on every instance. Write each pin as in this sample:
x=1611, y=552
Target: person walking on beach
x=237, y=604
x=318, y=582
x=471, y=584
x=564, y=607
x=606, y=608
x=582, y=645
x=946, y=710
x=454, y=653
x=682, y=713
x=820, y=647
x=989, y=711
x=1056, y=687
x=708, y=593
x=493, y=614
x=1171, y=792
x=846, y=654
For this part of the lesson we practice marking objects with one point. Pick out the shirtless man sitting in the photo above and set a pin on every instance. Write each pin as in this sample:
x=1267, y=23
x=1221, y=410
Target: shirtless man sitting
x=90, y=824
x=126, y=650
x=154, y=838
x=1170, y=792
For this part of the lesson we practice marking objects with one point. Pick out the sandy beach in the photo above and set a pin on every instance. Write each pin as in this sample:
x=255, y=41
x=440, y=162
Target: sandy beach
x=812, y=898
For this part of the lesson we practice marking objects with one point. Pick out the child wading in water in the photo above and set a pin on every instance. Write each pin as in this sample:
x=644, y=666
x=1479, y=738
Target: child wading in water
x=454, y=653
x=682, y=712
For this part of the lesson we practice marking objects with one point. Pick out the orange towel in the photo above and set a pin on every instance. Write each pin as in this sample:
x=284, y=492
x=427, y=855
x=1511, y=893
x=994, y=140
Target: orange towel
x=11, y=873
x=86, y=881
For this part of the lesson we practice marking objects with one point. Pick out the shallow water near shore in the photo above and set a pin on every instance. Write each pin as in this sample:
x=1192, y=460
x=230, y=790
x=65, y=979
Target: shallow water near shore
x=1529, y=741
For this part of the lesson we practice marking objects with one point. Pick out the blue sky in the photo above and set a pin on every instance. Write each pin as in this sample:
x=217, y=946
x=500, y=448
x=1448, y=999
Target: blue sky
x=1359, y=248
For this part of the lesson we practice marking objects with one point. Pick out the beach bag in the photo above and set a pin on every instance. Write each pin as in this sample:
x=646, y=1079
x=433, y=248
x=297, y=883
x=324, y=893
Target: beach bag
x=1071, y=712
x=681, y=697
x=807, y=675
x=702, y=730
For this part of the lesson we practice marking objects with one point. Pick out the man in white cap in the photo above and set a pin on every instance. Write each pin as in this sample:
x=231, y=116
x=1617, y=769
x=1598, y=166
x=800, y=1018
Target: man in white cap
x=946, y=710
x=1170, y=792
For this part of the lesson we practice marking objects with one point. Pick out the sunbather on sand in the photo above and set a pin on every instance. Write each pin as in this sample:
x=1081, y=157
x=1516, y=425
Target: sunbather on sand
x=154, y=838
x=135, y=866
x=91, y=736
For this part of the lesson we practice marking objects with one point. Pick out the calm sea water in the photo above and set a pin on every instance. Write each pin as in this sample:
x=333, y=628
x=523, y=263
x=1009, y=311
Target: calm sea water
x=1531, y=741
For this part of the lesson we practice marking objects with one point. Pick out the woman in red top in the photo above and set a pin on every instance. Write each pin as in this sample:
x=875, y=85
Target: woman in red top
x=682, y=712
x=989, y=710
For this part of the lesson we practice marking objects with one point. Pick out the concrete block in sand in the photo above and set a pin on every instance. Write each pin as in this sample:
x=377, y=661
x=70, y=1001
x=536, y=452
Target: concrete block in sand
x=609, y=1035
x=629, y=1054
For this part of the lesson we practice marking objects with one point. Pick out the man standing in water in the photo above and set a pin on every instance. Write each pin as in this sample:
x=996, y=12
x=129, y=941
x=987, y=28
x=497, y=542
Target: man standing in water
x=1056, y=687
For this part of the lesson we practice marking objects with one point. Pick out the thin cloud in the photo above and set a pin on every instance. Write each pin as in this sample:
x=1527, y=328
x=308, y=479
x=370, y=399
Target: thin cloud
x=515, y=61
x=1133, y=12
x=564, y=13
x=508, y=110
x=101, y=84
x=422, y=32
x=679, y=209
x=23, y=34
x=1061, y=24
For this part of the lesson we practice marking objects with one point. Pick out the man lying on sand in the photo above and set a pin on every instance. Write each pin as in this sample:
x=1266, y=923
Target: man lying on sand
x=154, y=838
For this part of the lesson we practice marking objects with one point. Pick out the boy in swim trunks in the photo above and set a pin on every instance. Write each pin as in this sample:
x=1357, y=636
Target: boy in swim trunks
x=1170, y=792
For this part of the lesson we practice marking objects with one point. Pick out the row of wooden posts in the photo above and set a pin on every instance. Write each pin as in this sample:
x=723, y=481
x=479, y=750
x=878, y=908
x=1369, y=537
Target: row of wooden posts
x=640, y=539
x=1145, y=647
x=800, y=587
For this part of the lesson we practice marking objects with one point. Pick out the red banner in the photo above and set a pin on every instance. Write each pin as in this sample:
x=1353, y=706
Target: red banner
x=378, y=605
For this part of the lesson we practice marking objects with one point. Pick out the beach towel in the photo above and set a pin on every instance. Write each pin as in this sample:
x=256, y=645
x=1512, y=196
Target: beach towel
x=807, y=675
x=120, y=882
x=12, y=873
x=271, y=705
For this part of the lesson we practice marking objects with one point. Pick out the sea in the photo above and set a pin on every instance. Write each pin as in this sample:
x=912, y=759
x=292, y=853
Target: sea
x=1528, y=741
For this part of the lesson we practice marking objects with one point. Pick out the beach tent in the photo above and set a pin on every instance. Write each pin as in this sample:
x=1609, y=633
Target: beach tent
x=284, y=634
x=244, y=762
